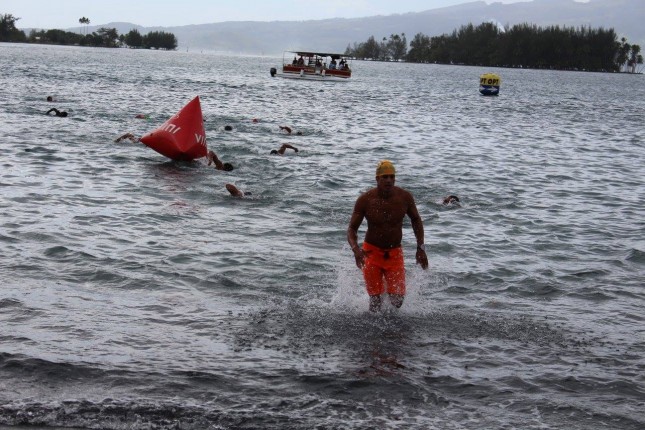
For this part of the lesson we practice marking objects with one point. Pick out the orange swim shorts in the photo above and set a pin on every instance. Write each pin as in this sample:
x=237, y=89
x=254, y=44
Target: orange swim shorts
x=383, y=265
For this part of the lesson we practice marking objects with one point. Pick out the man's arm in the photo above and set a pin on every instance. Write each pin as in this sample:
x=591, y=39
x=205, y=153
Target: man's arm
x=286, y=146
x=352, y=231
x=212, y=158
x=129, y=136
x=234, y=190
x=417, y=227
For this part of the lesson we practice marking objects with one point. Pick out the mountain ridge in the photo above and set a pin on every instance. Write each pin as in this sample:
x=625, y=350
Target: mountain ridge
x=335, y=34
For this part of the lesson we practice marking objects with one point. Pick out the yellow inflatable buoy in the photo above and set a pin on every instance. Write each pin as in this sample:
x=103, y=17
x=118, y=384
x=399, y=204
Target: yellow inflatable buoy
x=489, y=84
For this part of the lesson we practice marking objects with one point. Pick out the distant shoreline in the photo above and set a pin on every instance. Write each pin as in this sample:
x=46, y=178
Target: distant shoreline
x=502, y=67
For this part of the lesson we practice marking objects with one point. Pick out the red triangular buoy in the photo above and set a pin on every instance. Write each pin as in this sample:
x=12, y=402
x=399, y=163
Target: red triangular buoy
x=182, y=137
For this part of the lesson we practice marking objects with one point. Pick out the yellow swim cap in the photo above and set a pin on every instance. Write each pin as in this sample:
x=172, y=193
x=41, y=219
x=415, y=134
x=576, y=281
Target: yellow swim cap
x=385, y=167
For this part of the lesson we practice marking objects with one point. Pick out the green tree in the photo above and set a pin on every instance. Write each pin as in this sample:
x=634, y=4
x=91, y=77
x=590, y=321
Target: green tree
x=57, y=37
x=8, y=30
x=93, y=39
x=442, y=48
x=634, y=58
x=160, y=40
x=419, y=49
x=370, y=49
x=108, y=37
x=623, y=49
x=523, y=45
x=396, y=47
x=383, y=53
x=134, y=39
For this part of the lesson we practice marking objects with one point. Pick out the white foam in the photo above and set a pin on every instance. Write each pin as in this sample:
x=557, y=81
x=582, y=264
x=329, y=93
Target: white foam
x=350, y=294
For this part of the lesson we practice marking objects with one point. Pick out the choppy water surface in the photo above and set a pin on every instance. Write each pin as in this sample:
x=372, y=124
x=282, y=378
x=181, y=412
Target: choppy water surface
x=136, y=293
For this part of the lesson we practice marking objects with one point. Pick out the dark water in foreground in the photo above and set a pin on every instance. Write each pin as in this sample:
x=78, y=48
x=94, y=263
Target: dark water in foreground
x=136, y=293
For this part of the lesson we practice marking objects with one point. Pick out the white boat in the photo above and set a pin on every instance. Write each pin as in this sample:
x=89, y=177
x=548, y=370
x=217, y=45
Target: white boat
x=317, y=66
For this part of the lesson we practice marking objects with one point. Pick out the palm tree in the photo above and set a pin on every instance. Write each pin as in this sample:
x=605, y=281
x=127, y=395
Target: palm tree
x=634, y=59
x=85, y=21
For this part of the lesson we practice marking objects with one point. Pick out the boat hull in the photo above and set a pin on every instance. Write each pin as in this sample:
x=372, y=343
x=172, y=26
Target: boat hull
x=312, y=77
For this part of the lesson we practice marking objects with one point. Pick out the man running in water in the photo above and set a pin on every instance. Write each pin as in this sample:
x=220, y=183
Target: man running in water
x=381, y=256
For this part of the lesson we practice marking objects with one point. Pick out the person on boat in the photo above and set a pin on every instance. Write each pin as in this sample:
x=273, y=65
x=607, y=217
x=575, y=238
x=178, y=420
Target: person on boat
x=212, y=158
x=318, y=63
x=295, y=61
x=131, y=137
x=57, y=112
x=282, y=149
x=332, y=63
x=451, y=200
x=381, y=256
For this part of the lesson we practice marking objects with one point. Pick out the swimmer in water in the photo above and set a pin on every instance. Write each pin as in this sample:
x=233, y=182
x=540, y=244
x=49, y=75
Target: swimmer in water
x=282, y=149
x=235, y=192
x=228, y=128
x=451, y=200
x=288, y=130
x=131, y=137
x=212, y=158
x=57, y=112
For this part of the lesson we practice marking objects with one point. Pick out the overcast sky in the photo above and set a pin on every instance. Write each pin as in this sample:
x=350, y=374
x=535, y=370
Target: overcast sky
x=65, y=13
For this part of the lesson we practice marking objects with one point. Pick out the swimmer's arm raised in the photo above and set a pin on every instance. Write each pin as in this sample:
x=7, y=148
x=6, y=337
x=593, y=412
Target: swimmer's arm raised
x=212, y=158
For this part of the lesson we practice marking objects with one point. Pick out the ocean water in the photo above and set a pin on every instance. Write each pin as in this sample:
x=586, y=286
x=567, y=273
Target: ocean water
x=136, y=293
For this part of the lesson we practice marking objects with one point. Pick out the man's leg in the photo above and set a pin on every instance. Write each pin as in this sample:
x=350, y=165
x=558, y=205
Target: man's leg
x=395, y=278
x=373, y=276
x=375, y=303
x=396, y=300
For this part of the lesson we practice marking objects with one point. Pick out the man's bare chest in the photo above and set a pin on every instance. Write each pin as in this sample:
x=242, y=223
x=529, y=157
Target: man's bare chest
x=386, y=211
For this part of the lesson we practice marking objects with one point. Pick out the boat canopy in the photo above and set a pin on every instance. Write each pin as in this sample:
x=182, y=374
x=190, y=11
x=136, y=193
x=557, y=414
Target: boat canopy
x=320, y=54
